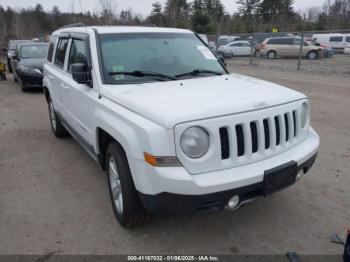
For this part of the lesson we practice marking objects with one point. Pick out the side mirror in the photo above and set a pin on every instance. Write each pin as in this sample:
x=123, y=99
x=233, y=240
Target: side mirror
x=81, y=74
x=4, y=49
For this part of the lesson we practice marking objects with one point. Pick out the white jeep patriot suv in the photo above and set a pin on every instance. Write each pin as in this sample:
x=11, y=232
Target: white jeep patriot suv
x=173, y=129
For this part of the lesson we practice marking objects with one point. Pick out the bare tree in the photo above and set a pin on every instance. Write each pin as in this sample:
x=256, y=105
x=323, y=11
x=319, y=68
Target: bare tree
x=108, y=9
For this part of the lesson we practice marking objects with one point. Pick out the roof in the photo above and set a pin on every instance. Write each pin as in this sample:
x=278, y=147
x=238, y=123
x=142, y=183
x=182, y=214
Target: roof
x=122, y=29
x=33, y=43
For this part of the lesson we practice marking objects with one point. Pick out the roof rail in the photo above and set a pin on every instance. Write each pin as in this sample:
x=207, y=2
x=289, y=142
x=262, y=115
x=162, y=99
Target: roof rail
x=73, y=25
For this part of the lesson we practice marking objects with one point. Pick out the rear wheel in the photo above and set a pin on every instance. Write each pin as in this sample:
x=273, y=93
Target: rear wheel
x=57, y=128
x=126, y=203
x=271, y=55
x=312, y=55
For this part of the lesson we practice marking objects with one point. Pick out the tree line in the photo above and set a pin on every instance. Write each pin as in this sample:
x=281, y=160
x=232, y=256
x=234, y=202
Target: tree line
x=202, y=16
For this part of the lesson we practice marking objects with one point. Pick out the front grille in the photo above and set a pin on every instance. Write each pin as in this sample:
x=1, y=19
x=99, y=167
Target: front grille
x=255, y=136
x=246, y=137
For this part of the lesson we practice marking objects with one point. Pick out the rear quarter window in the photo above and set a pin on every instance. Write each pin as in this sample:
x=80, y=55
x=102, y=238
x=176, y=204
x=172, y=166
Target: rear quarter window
x=51, y=48
x=336, y=39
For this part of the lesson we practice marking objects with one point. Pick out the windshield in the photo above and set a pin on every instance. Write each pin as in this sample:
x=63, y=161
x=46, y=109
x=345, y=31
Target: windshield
x=34, y=51
x=169, y=54
x=13, y=44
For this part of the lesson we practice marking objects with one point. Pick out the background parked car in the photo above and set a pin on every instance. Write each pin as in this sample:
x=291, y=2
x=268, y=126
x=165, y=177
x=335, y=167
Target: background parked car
x=327, y=51
x=336, y=41
x=11, y=50
x=225, y=40
x=237, y=48
x=28, y=64
x=288, y=47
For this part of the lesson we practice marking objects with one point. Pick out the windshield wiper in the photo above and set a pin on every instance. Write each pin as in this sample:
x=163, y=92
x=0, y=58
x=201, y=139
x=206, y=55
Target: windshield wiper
x=197, y=72
x=142, y=74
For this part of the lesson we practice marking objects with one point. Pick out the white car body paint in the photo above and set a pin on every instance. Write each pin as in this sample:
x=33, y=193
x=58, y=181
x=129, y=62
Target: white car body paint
x=151, y=118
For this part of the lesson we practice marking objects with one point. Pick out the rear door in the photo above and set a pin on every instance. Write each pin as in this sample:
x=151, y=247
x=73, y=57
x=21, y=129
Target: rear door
x=79, y=98
x=55, y=72
x=245, y=48
x=234, y=48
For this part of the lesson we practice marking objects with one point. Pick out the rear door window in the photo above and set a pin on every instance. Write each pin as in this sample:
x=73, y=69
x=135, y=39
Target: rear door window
x=61, y=52
x=51, y=48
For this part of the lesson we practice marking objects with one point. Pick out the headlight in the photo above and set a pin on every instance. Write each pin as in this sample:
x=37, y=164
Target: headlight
x=194, y=142
x=304, y=115
x=29, y=70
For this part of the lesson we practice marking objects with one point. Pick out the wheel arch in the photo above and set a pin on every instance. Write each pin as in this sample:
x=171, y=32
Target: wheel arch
x=46, y=93
x=104, y=138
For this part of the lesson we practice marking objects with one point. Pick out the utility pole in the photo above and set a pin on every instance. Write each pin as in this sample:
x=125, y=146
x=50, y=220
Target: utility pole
x=252, y=48
x=301, y=43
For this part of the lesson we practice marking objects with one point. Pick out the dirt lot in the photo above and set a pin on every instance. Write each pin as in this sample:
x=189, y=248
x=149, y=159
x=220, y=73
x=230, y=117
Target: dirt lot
x=53, y=197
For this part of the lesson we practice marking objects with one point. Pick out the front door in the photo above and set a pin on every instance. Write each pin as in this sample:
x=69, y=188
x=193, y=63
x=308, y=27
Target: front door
x=79, y=98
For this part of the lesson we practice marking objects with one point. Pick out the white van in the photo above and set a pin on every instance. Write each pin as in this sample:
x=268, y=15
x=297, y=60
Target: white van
x=336, y=41
x=224, y=39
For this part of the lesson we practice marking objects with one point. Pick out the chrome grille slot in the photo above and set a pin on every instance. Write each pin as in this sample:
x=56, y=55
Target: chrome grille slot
x=295, y=123
x=225, y=143
x=286, y=121
x=267, y=133
x=254, y=133
x=278, y=130
x=240, y=140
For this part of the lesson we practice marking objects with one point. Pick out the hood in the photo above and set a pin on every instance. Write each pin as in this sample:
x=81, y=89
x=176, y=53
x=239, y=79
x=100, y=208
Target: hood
x=174, y=102
x=36, y=63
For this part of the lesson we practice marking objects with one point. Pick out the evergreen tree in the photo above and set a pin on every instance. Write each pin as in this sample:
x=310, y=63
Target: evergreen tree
x=156, y=17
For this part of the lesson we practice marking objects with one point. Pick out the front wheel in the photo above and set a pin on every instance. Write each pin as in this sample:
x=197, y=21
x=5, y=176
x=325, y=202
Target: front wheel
x=57, y=128
x=271, y=55
x=126, y=203
x=312, y=55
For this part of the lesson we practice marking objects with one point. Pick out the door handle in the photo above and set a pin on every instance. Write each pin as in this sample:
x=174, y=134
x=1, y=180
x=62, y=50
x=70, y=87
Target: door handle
x=65, y=87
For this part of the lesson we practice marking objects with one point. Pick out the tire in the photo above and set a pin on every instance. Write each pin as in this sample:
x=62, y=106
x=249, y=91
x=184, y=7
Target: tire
x=57, y=128
x=312, y=55
x=271, y=55
x=127, y=206
x=23, y=86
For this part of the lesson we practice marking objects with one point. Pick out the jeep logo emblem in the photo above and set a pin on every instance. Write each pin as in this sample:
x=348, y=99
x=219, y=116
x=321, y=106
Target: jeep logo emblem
x=260, y=104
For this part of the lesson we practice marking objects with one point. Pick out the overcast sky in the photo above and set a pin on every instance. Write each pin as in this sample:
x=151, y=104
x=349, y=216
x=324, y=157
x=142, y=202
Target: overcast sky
x=138, y=6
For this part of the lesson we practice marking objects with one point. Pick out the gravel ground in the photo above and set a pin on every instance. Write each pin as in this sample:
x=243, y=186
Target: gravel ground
x=54, y=199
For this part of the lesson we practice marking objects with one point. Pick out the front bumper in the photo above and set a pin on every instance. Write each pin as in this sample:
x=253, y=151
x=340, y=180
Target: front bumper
x=31, y=80
x=176, y=203
x=173, y=188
